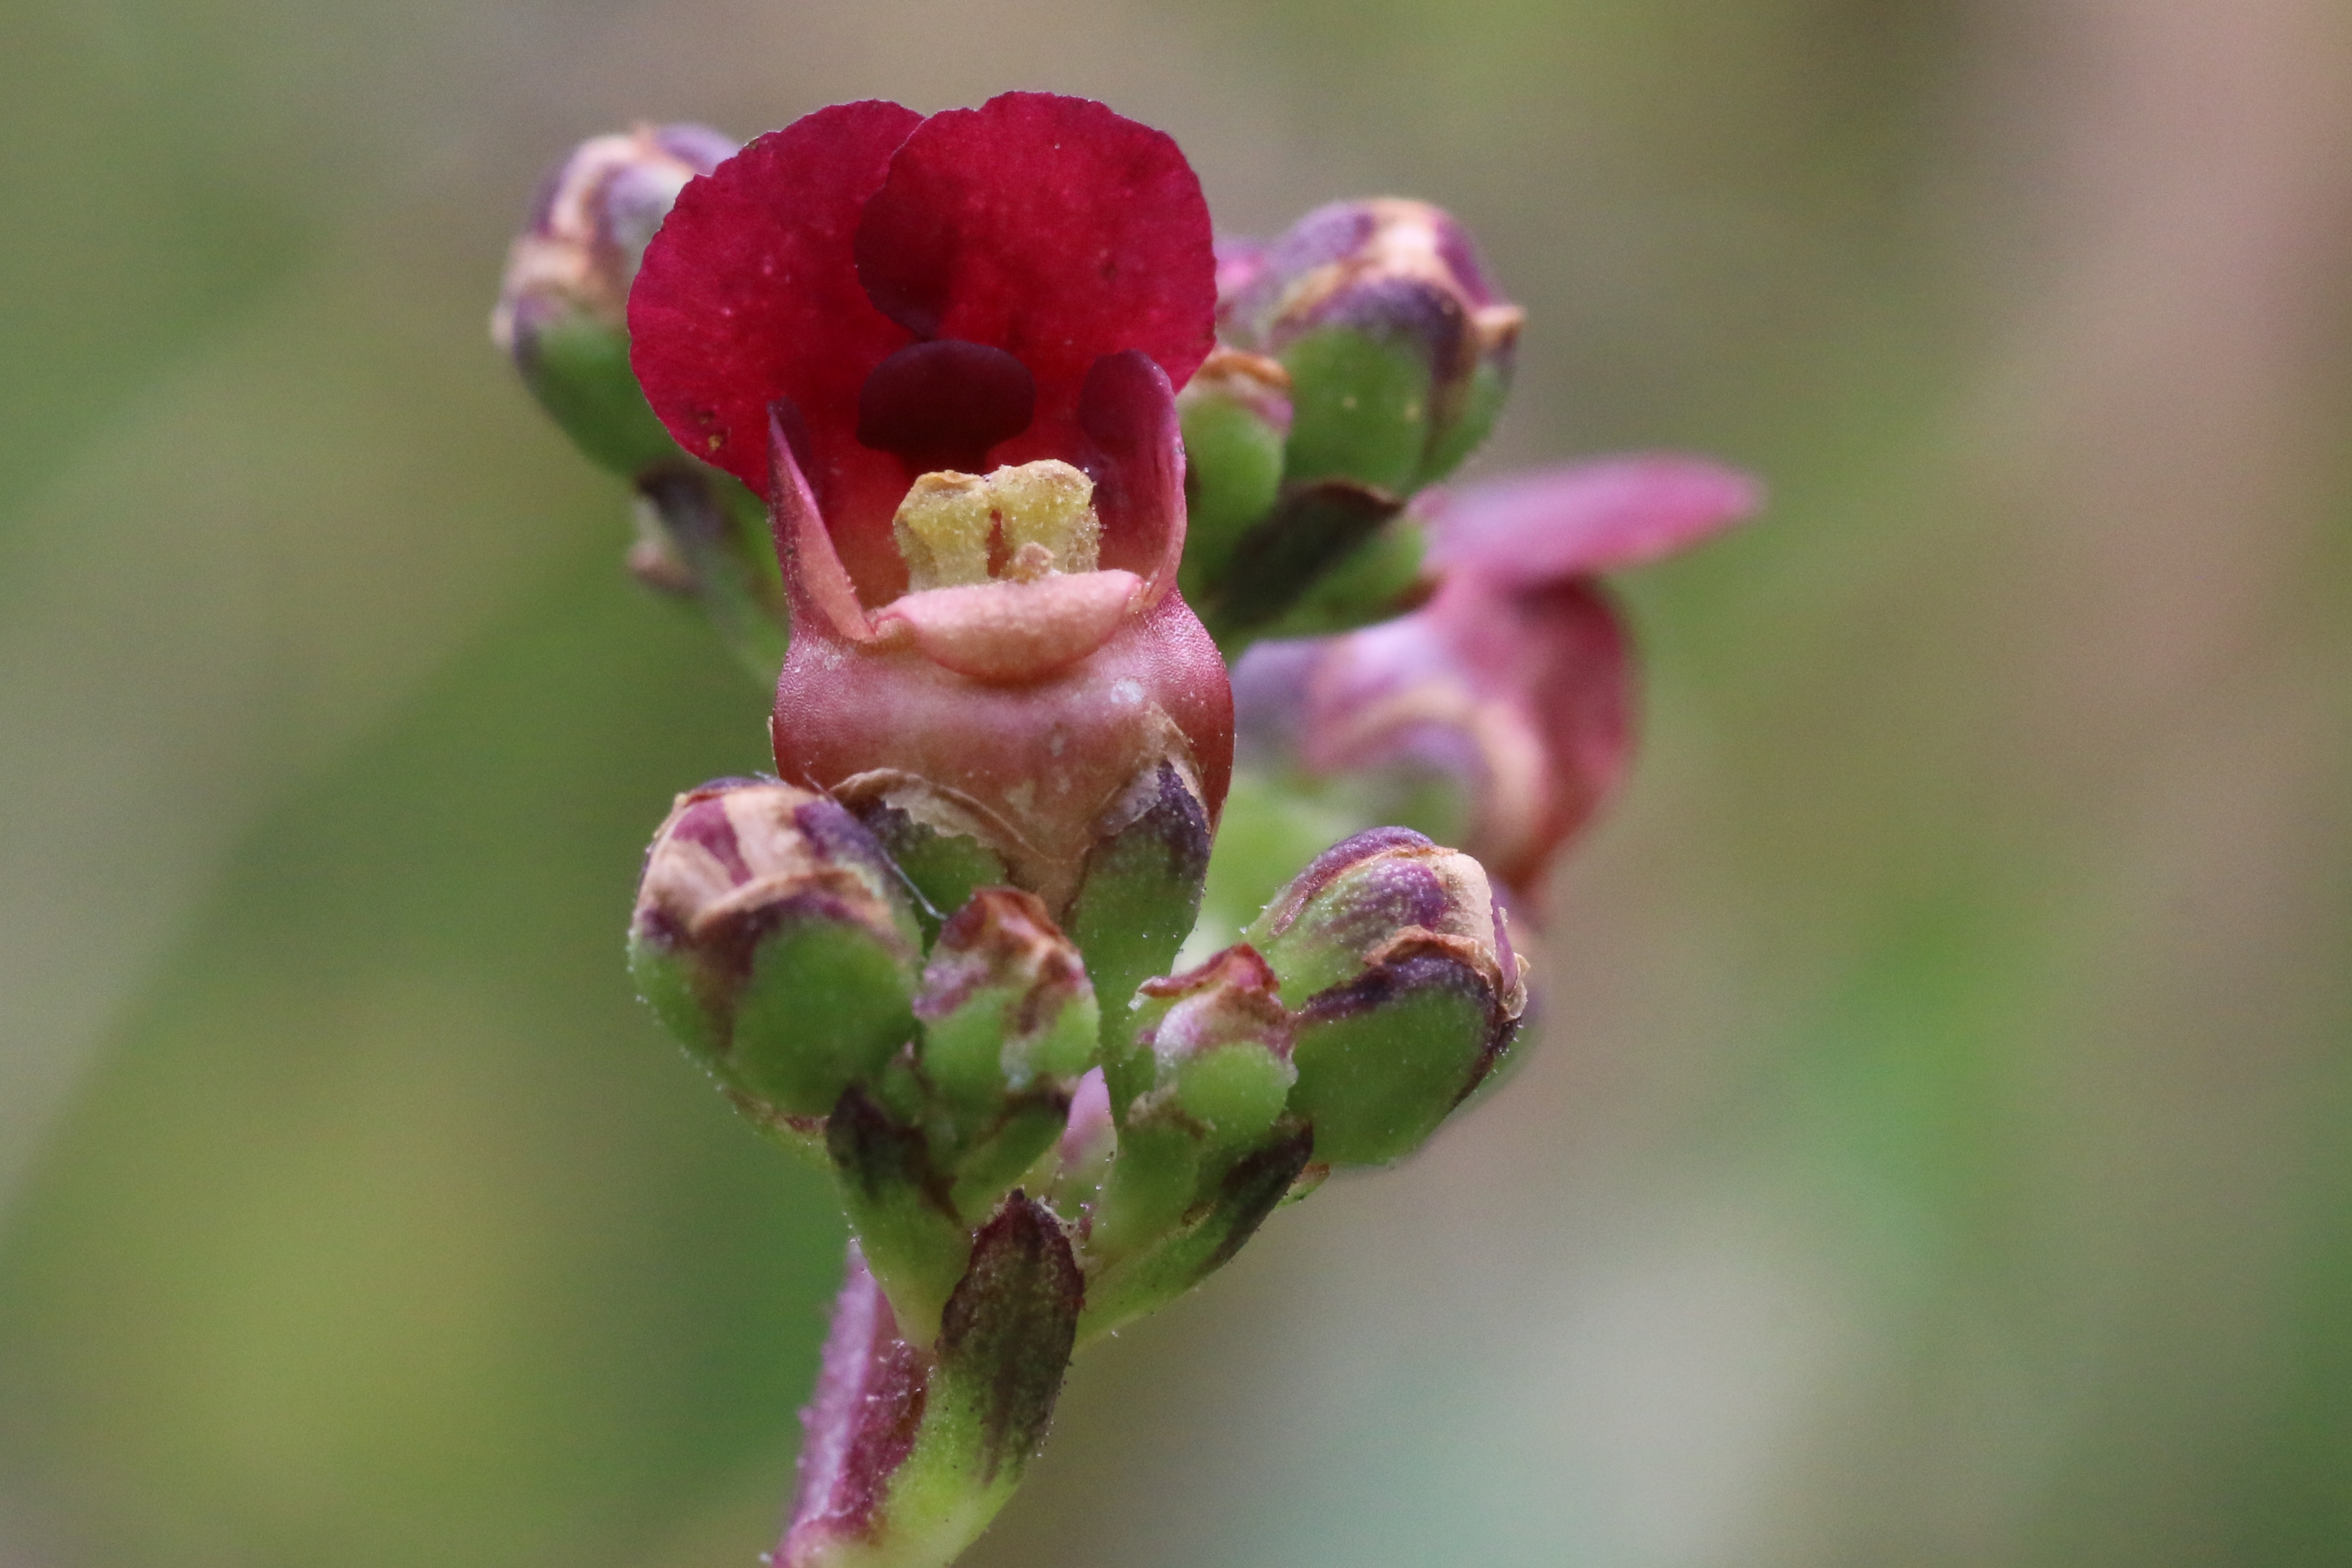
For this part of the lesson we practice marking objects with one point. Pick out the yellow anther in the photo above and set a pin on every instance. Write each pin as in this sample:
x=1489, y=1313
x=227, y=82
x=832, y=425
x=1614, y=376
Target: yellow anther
x=1030, y=519
x=942, y=529
x=1049, y=503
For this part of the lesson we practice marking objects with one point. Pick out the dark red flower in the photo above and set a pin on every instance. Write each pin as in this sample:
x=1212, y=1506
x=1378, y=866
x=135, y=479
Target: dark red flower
x=861, y=316
x=1516, y=681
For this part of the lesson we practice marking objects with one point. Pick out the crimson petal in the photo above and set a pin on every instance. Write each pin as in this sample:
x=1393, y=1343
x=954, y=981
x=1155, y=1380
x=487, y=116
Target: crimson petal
x=750, y=294
x=1054, y=229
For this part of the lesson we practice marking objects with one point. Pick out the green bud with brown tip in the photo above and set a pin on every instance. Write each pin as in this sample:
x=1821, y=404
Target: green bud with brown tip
x=775, y=939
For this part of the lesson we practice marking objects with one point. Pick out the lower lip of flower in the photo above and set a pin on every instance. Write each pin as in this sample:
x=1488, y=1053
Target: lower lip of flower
x=1003, y=574
x=1014, y=630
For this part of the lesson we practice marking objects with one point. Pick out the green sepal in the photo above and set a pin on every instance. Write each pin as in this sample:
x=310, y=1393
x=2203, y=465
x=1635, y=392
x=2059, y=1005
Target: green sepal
x=1004, y=1341
x=1151, y=1182
x=1378, y=1072
x=1316, y=529
x=901, y=1209
x=1249, y=1190
x=827, y=1004
x=968, y=1057
x=988, y=1167
x=1139, y=892
x=578, y=369
x=1232, y=471
x=1378, y=578
x=667, y=980
x=1481, y=404
x=1234, y=1093
x=1360, y=408
x=943, y=867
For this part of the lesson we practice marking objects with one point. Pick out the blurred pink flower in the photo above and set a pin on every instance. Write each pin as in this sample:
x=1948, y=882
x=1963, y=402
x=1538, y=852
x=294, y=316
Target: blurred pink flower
x=1515, y=681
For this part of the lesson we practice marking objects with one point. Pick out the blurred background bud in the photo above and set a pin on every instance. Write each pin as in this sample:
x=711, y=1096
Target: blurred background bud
x=1331, y=555
x=774, y=940
x=562, y=318
x=1399, y=348
x=1397, y=959
x=562, y=311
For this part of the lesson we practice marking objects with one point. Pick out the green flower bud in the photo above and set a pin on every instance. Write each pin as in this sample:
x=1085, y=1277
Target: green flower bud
x=562, y=311
x=1219, y=1041
x=1010, y=1024
x=1205, y=1149
x=773, y=938
x=1212, y=1046
x=1398, y=349
x=1004, y=1003
x=1396, y=959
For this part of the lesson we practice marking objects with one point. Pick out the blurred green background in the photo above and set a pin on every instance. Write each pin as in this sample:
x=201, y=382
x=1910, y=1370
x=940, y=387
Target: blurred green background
x=1937, y=1154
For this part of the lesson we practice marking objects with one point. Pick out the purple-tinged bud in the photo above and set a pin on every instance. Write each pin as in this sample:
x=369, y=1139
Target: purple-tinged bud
x=1082, y=1158
x=860, y=1426
x=1399, y=350
x=562, y=310
x=1396, y=959
x=775, y=939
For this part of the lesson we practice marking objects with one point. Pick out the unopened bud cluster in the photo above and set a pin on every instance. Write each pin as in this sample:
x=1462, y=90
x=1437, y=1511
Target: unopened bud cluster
x=946, y=1062
x=1366, y=354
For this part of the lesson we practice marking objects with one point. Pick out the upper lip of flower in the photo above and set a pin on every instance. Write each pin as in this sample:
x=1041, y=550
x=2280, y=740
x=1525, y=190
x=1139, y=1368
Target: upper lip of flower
x=867, y=295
